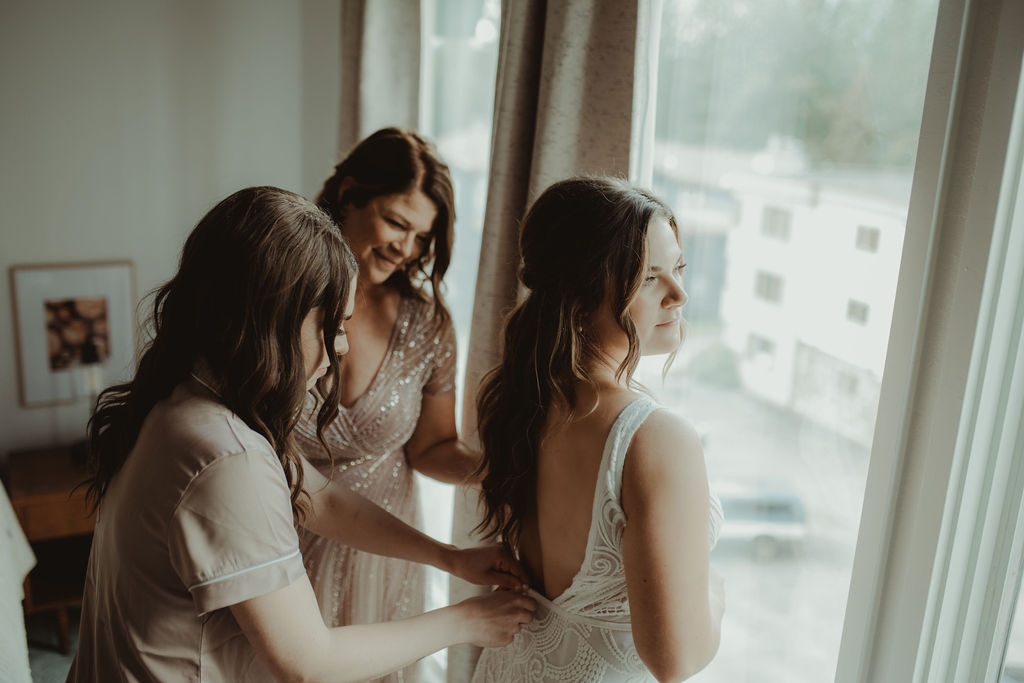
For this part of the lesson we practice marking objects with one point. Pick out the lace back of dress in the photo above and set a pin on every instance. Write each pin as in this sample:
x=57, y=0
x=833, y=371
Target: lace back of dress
x=599, y=589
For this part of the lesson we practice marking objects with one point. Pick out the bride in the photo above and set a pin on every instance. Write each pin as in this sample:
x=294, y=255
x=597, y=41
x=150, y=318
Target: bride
x=602, y=495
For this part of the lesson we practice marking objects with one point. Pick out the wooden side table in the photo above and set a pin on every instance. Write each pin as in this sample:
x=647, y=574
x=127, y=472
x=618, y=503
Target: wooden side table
x=58, y=525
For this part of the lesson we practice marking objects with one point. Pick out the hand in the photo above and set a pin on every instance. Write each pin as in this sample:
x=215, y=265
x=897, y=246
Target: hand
x=489, y=565
x=492, y=620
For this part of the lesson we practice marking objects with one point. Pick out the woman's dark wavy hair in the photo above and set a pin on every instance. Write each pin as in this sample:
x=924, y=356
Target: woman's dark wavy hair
x=393, y=161
x=582, y=243
x=250, y=272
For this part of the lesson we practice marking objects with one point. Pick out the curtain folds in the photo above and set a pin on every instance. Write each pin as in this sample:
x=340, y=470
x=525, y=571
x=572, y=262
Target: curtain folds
x=380, y=68
x=564, y=105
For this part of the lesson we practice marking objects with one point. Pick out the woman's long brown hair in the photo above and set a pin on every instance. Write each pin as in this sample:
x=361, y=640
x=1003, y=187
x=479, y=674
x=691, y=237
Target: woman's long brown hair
x=582, y=242
x=392, y=161
x=250, y=272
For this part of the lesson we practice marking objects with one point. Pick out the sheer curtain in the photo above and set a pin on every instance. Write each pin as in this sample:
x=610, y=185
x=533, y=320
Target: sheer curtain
x=380, y=67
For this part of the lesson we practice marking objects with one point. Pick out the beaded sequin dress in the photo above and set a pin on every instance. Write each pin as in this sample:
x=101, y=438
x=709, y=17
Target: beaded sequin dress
x=368, y=441
x=584, y=635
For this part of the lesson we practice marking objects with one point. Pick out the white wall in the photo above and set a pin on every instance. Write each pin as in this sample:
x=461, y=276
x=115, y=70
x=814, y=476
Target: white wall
x=122, y=122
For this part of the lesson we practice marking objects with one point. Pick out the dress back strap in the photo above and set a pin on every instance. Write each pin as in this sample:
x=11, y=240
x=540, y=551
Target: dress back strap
x=622, y=432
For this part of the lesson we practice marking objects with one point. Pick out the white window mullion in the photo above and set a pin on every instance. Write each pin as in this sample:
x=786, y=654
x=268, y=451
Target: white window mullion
x=872, y=562
x=979, y=571
x=915, y=574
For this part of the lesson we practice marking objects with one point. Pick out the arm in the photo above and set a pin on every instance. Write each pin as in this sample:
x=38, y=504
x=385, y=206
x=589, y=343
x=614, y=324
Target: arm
x=676, y=611
x=434, y=449
x=289, y=636
x=349, y=518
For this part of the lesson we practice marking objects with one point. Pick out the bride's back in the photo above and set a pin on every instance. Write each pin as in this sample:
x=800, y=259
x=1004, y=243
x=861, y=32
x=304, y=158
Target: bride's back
x=554, y=540
x=602, y=269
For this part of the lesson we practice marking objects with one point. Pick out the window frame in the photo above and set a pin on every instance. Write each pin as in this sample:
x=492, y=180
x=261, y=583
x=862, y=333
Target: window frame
x=768, y=287
x=776, y=223
x=857, y=312
x=867, y=239
x=897, y=588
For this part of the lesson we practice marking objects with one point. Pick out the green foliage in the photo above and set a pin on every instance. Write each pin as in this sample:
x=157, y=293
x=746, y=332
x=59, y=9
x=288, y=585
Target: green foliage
x=847, y=77
x=717, y=365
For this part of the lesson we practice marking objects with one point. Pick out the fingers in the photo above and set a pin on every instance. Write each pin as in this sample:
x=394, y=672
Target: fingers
x=511, y=565
x=508, y=581
x=509, y=611
x=509, y=571
x=527, y=607
x=491, y=565
x=521, y=608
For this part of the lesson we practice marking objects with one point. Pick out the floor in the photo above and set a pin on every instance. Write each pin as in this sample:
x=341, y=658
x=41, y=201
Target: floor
x=48, y=665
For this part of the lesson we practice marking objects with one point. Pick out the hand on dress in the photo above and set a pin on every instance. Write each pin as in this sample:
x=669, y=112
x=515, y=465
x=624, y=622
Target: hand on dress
x=492, y=620
x=489, y=565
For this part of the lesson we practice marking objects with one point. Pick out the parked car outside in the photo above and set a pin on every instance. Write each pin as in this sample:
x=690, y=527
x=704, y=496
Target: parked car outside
x=770, y=516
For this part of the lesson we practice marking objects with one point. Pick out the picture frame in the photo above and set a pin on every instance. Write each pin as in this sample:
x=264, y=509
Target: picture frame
x=74, y=329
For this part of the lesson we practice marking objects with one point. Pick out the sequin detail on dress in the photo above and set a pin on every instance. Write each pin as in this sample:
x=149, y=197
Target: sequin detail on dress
x=584, y=635
x=368, y=441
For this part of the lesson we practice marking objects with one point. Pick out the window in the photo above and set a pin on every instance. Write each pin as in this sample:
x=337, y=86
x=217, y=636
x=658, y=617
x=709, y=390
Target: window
x=768, y=286
x=1013, y=660
x=857, y=312
x=757, y=345
x=867, y=238
x=775, y=223
x=848, y=383
x=834, y=130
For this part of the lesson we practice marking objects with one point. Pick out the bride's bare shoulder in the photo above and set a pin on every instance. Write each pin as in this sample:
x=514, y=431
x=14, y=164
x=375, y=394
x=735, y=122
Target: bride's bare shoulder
x=664, y=427
x=665, y=453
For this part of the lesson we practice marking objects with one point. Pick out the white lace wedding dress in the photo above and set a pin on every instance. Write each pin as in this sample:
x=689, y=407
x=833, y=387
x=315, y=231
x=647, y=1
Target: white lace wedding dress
x=585, y=635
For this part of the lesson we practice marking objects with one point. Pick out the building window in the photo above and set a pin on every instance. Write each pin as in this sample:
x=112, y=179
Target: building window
x=867, y=238
x=857, y=311
x=775, y=223
x=848, y=383
x=768, y=286
x=758, y=345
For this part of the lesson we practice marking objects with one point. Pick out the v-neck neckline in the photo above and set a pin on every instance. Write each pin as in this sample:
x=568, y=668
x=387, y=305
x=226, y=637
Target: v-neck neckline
x=395, y=331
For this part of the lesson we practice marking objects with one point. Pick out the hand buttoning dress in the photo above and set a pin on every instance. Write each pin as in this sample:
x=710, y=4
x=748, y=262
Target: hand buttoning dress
x=368, y=441
x=584, y=635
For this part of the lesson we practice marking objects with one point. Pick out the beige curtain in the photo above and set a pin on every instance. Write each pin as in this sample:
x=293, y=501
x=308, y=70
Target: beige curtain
x=380, y=68
x=564, y=105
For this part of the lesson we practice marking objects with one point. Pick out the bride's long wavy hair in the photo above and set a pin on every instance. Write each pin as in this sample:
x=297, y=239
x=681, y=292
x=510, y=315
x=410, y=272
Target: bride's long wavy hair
x=250, y=272
x=582, y=243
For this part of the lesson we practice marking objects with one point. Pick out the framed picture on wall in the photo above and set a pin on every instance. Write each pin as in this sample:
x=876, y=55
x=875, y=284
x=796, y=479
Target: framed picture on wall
x=74, y=329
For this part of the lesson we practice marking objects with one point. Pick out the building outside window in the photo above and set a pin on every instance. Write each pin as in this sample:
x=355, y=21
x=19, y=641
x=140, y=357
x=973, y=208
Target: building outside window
x=759, y=345
x=775, y=223
x=867, y=238
x=796, y=165
x=768, y=286
x=857, y=311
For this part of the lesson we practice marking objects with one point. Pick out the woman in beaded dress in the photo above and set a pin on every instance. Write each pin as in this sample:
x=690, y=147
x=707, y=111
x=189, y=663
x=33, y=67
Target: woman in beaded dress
x=603, y=495
x=392, y=197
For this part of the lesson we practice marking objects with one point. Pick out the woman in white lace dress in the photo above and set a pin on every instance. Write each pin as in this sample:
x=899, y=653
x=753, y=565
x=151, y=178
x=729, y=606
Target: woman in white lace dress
x=602, y=494
x=393, y=199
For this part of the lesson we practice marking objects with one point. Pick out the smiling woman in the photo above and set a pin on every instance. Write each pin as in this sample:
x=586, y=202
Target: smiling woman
x=389, y=231
x=393, y=200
